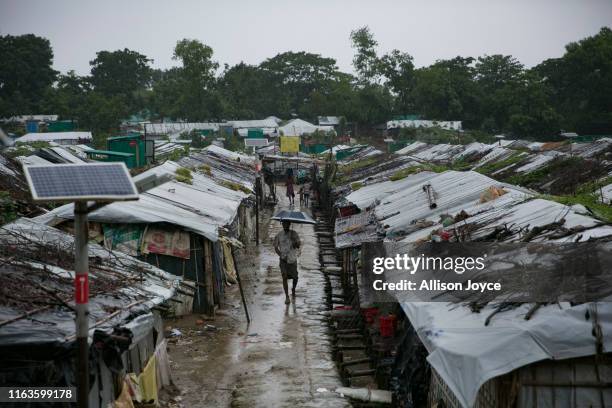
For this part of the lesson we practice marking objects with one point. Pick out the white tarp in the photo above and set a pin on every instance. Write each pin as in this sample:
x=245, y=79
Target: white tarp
x=416, y=123
x=147, y=210
x=466, y=353
x=54, y=137
x=299, y=127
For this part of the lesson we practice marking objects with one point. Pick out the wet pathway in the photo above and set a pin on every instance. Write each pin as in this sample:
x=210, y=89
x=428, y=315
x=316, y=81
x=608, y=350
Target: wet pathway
x=283, y=359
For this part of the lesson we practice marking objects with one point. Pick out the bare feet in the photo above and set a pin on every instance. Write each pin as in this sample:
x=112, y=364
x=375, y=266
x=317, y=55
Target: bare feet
x=287, y=300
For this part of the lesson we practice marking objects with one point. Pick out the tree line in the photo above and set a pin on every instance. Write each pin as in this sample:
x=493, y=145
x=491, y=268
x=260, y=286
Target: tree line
x=492, y=93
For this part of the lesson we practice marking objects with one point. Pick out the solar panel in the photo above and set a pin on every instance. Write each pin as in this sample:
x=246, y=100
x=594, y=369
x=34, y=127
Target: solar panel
x=81, y=182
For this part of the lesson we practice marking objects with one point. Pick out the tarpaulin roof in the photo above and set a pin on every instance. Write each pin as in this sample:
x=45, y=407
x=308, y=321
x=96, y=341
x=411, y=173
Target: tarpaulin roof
x=466, y=353
x=147, y=210
x=299, y=127
x=132, y=281
x=255, y=124
x=52, y=136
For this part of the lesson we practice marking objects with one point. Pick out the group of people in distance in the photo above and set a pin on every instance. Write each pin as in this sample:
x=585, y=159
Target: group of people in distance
x=304, y=191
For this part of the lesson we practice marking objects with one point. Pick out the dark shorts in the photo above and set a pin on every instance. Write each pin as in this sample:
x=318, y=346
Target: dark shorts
x=289, y=270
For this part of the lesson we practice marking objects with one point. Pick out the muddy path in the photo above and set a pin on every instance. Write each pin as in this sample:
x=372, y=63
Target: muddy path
x=282, y=359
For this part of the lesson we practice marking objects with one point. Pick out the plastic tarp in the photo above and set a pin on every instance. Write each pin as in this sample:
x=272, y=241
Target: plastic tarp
x=56, y=325
x=200, y=181
x=53, y=136
x=299, y=127
x=147, y=210
x=466, y=353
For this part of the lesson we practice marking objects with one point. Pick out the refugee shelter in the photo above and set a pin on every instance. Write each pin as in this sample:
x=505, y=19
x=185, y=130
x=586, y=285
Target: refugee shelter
x=57, y=137
x=186, y=226
x=482, y=353
x=37, y=328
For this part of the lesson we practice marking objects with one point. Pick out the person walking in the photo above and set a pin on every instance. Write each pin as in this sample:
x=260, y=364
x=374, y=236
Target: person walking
x=306, y=194
x=290, y=191
x=287, y=246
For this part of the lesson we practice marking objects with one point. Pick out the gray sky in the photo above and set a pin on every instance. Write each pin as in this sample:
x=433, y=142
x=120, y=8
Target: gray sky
x=251, y=31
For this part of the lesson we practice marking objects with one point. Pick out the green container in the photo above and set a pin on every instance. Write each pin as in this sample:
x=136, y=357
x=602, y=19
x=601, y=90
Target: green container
x=108, y=156
x=255, y=134
x=133, y=144
x=313, y=149
x=61, y=126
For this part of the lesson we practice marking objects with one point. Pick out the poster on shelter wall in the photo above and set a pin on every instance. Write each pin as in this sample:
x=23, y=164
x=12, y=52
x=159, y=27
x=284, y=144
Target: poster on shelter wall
x=290, y=144
x=164, y=242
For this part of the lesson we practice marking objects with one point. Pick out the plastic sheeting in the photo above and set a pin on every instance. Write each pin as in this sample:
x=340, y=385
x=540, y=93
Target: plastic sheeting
x=147, y=210
x=56, y=326
x=466, y=353
x=299, y=127
x=54, y=136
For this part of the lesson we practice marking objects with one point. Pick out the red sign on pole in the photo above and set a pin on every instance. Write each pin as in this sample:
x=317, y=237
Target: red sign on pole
x=132, y=143
x=81, y=289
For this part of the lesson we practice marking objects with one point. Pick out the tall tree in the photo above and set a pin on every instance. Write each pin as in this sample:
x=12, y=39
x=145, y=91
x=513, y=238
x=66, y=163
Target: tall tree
x=580, y=82
x=365, y=60
x=198, y=101
x=398, y=70
x=120, y=72
x=25, y=73
x=295, y=75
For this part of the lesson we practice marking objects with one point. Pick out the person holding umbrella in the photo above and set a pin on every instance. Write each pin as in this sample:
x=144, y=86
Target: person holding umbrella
x=287, y=246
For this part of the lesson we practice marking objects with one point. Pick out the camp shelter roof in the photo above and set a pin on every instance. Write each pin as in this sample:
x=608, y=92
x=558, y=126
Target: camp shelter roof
x=466, y=353
x=378, y=192
x=228, y=154
x=453, y=190
x=123, y=285
x=436, y=152
x=356, y=229
x=212, y=208
x=537, y=161
x=147, y=210
x=253, y=124
x=223, y=165
x=328, y=120
x=409, y=123
x=412, y=147
x=590, y=149
x=33, y=160
x=178, y=127
x=200, y=181
x=164, y=148
x=53, y=136
x=299, y=127
x=473, y=149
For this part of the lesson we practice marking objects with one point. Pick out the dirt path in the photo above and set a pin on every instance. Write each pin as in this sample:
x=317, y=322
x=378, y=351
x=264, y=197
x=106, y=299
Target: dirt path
x=282, y=359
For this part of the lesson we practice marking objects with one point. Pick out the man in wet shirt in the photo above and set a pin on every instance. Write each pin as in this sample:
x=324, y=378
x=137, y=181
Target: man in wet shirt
x=287, y=245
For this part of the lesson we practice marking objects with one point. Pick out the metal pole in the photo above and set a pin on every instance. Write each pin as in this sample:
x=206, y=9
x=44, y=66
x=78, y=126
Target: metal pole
x=244, y=304
x=81, y=296
x=257, y=194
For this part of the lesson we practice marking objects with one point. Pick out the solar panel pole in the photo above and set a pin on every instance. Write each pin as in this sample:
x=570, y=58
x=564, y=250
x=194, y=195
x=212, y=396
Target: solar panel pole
x=81, y=293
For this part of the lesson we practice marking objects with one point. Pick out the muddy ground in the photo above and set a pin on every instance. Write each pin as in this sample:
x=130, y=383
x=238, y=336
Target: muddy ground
x=282, y=359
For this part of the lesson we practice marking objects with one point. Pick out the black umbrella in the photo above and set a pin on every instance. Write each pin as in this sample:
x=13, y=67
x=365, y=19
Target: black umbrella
x=297, y=217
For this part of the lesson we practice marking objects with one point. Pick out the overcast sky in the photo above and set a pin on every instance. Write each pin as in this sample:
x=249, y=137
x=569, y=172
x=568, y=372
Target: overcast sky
x=251, y=31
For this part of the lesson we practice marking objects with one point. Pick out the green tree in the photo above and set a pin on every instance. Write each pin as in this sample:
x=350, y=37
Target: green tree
x=579, y=83
x=196, y=79
x=120, y=72
x=398, y=70
x=25, y=73
x=365, y=61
